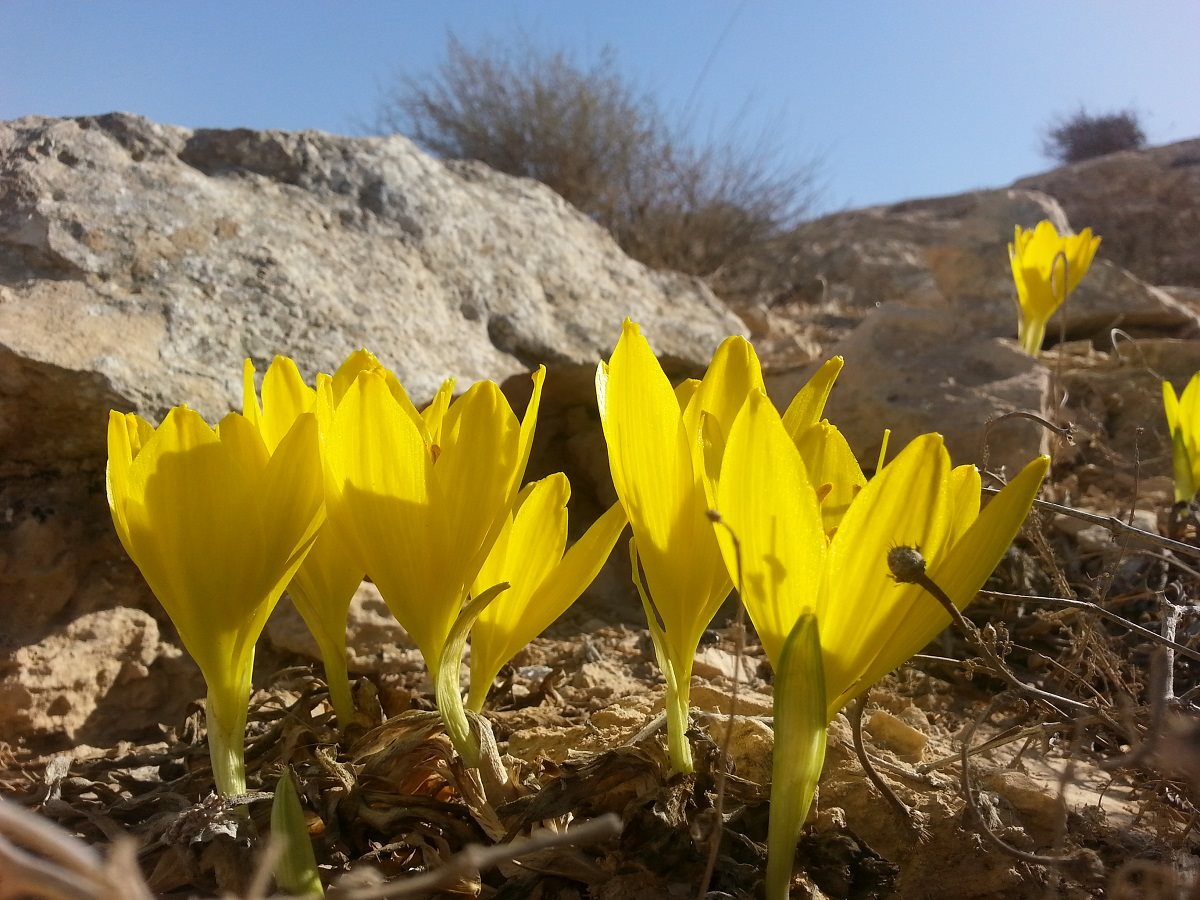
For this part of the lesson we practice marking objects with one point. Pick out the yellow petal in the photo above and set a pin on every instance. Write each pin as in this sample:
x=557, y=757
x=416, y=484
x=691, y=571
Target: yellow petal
x=126, y=435
x=767, y=503
x=284, y=397
x=650, y=458
x=1170, y=406
x=470, y=486
x=365, y=361
x=196, y=533
x=251, y=408
x=293, y=493
x=906, y=504
x=435, y=412
x=564, y=583
x=964, y=500
x=322, y=589
x=1080, y=250
x=530, y=548
x=963, y=569
x=528, y=428
x=685, y=391
x=733, y=373
x=960, y=571
x=808, y=405
x=356, y=362
x=378, y=471
x=829, y=460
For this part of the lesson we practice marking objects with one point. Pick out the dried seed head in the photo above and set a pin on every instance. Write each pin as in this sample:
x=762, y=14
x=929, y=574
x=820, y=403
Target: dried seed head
x=906, y=563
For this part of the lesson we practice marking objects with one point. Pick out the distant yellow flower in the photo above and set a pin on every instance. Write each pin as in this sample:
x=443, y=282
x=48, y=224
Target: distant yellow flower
x=1046, y=269
x=420, y=516
x=808, y=594
x=218, y=526
x=1183, y=421
x=544, y=581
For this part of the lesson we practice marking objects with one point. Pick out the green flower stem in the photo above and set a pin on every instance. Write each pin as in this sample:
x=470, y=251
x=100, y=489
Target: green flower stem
x=678, y=702
x=799, y=754
x=333, y=657
x=225, y=718
x=1032, y=334
x=677, y=673
x=446, y=688
x=477, y=696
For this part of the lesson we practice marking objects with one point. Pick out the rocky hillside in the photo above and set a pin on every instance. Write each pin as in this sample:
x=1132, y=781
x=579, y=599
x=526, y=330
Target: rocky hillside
x=141, y=263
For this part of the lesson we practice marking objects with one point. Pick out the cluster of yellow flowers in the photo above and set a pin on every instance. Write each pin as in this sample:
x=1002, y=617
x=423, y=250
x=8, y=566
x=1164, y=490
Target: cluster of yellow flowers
x=312, y=488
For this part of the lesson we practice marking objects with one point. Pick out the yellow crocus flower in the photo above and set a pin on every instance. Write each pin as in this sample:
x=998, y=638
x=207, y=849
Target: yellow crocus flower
x=659, y=440
x=864, y=623
x=421, y=517
x=326, y=582
x=869, y=623
x=654, y=442
x=1183, y=421
x=528, y=555
x=218, y=526
x=1046, y=267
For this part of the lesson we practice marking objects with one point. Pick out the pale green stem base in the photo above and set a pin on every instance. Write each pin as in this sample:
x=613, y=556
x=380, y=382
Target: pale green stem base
x=446, y=690
x=799, y=755
x=477, y=695
x=1031, y=334
x=338, y=679
x=225, y=717
x=454, y=714
x=678, y=701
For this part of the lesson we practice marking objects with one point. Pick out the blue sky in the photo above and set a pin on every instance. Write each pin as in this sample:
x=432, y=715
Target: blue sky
x=898, y=99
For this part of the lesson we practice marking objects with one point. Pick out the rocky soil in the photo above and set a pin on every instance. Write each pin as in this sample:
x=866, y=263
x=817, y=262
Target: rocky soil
x=140, y=263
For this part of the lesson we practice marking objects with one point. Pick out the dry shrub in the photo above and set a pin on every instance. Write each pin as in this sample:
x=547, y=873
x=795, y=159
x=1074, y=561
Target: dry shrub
x=670, y=199
x=1081, y=135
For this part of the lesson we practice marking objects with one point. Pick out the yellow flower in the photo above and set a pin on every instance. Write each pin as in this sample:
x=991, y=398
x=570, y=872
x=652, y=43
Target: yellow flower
x=529, y=556
x=326, y=582
x=869, y=623
x=1046, y=268
x=217, y=526
x=1183, y=421
x=420, y=516
x=658, y=440
x=653, y=439
x=834, y=598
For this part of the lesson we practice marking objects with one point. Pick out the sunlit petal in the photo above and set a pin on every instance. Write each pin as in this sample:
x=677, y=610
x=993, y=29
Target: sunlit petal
x=907, y=504
x=808, y=405
x=772, y=523
x=830, y=461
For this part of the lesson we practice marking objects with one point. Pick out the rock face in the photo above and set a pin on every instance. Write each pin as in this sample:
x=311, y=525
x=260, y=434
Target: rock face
x=1145, y=202
x=141, y=263
x=919, y=298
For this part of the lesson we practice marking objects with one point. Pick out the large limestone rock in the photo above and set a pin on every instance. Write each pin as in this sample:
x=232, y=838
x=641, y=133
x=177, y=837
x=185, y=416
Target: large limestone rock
x=159, y=258
x=140, y=263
